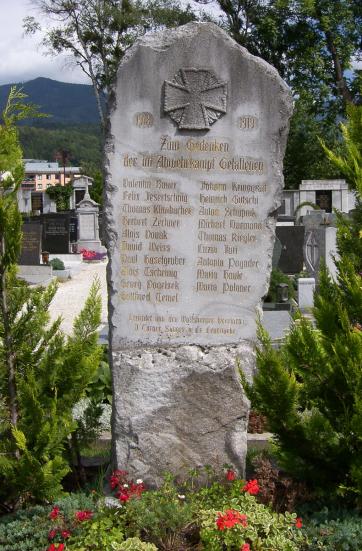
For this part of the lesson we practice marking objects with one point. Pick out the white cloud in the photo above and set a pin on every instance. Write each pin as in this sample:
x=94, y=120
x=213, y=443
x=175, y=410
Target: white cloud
x=21, y=57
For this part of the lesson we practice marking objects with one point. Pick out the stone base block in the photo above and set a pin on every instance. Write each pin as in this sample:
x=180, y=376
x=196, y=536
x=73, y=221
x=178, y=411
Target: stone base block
x=179, y=408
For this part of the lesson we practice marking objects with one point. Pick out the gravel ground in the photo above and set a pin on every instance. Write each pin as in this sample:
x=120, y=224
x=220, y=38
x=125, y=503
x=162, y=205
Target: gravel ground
x=72, y=294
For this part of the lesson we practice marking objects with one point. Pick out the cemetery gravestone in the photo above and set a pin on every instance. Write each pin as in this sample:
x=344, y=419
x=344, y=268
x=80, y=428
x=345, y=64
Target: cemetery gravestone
x=30, y=245
x=195, y=147
x=56, y=233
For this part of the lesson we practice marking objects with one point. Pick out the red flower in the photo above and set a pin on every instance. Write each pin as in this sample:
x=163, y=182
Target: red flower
x=118, y=478
x=229, y=519
x=252, y=487
x=53, y=547
x=65, y=534
x=52, y=534
x=298, y=523
x=230, y=475
x=123, y=496
x=83, y=515
x=245, y=547
x=54, y=513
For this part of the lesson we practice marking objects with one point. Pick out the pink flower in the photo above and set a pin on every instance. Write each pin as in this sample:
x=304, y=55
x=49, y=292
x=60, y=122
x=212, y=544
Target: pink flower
x=54, y=513
x=251, y=487
x=65, y=534
x=83, y=515
x=245, y=547
x=230, y=475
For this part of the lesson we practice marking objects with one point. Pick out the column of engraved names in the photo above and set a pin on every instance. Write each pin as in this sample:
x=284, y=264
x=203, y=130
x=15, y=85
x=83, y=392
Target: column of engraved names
x=228, y=228
x=152, y=209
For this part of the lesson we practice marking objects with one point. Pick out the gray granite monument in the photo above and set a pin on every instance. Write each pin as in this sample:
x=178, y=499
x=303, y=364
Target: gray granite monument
x=194, y=158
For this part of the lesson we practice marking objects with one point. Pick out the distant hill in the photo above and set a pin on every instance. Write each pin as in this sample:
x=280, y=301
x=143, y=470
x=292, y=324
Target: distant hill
x=69, y=104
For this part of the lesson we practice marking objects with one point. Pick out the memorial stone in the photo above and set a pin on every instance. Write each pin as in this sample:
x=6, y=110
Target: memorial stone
x=56, y=233
x=194, y=158
x=30, y=244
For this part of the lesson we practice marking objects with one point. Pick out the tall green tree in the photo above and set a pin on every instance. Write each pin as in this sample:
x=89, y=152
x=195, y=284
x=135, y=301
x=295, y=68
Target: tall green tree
x=311, y=388
x=42, y=373
x=97, y=33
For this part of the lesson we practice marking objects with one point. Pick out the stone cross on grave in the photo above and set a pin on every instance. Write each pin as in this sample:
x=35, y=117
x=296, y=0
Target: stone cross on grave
x=195, y=98
x=312, y=251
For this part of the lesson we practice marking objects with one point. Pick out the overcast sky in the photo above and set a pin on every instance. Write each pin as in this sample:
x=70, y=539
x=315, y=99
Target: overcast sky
x=22, y=58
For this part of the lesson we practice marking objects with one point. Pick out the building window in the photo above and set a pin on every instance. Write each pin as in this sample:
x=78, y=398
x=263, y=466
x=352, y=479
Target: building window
x=39, y=177
x=49, y=185
x=39, y=186
x=49, y=176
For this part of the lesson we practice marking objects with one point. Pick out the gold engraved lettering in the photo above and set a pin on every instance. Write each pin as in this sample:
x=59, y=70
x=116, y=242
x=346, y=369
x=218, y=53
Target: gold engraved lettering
x=160, y=297
x=167, y=144
x=134, y=296
x=236, y=225
x=131, y=196
x=211, y=224
x=162, y=234
x=204, y=236
x=212, y=262
x=212, y=186
x=162, y=285
x=125, y=246
x=240, y=212
x=206, y=287
x=158, y=247
x=180, y=210
x=165, y=222
x=204, y=145
x=184, y=163
x=243, y=264
x=233, y=275
x=127, y=259
x=164, y=260
x=166, y=197
x=130, y=234
x=244, y=238
x=207, y=249
x=230, y=249
x=249, y=188
x=148, y=184
x=129, y=161
x=125, y=284
x=206, y=274
x=242, y=200
x=143, y=120
x=127, y=271
x=214, y=199
x=242, y=164
x=209, y=211
x=135, y=209
x=235, y=288
x=134, y=221
x=160, y=272
x=247, y=122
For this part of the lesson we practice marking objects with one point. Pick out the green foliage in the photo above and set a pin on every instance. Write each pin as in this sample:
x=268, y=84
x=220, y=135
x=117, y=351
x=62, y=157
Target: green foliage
x=135, y=544
x=61, y=195
x=83, y=140
x=104, y=531
x=277, y=277
x=334, y=535
x=28, y=529
x=57, y=264
x=42, y=373
x=310, y=389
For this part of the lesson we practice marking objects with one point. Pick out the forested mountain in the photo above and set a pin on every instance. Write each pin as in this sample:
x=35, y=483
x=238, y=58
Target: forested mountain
x=65, y=103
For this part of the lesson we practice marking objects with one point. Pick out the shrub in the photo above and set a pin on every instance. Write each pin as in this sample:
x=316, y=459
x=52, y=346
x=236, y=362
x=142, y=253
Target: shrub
x=135, y=544
x=57, y=264
x=334, y=535
x=29, y=529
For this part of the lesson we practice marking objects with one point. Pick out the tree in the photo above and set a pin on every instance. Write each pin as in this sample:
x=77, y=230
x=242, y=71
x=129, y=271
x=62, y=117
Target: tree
x=97, y=33
x=42, y=373
x=312, y=43
x=310, y=389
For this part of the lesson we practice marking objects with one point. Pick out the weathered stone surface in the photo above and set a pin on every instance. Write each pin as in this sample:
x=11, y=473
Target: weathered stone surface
x=195, y=146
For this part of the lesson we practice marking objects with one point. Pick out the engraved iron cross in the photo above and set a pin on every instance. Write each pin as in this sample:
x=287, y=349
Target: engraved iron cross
x=195, y=99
